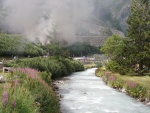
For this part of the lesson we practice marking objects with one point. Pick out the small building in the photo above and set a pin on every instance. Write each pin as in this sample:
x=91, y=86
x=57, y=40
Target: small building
x=6, y=69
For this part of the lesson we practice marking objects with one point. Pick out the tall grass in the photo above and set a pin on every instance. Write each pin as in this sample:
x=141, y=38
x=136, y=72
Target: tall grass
x=28, y=93
x=132, y=87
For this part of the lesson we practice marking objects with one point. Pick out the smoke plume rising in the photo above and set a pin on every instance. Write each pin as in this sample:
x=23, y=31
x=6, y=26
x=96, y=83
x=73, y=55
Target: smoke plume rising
x=39, y=18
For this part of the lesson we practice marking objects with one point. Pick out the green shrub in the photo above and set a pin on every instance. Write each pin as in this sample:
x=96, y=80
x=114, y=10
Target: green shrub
x=17, y=99
x=77, y=65
x=113, y=66
x=12, y=64
x=99, y=65
x=43, y=94
x=58, y=67
x=135, y=90
x=47, y=101
x=68, y=64
x=15, y=44
x=118, y=83
x=46, y=77
x=64, y=70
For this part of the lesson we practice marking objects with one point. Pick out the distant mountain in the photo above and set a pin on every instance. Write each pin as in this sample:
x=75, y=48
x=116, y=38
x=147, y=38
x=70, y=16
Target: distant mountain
x=108, y=17
x=113, y=13
x=121, y=11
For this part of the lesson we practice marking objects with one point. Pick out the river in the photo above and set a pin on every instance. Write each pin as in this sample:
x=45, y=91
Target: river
x=83, y=92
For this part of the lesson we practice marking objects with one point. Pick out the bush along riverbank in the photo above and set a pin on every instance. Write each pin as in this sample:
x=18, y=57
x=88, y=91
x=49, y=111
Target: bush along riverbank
x=27, y=92
x=136, y=87
x=28, y=87
x=57, y=66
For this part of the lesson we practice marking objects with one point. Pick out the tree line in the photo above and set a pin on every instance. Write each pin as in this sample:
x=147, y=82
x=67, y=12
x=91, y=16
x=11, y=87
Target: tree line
x=18, y=45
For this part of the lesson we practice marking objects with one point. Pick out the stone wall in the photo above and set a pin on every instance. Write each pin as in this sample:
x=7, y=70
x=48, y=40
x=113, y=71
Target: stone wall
x=92, y=40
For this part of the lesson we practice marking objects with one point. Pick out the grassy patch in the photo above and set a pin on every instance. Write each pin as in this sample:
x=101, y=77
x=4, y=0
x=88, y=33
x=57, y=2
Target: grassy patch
x=4, y=74
x=135, y=86
x=87, y=66
x=143, y=80
x=100, y=71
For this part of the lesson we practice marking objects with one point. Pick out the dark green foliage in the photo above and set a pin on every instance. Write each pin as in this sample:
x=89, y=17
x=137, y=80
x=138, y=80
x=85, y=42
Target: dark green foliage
x=58, y=67
x=139, y=33
x=116, y=67
x=134, y=51
x=12, y=45
x=78, y=66
x=46, y=77
x=113, y=66
x=32, y=50
x=82, y=49
x=115, y=48
x=68, y=64
x=47, y=101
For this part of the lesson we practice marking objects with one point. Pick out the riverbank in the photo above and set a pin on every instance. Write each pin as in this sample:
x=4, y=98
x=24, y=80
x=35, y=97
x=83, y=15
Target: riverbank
x=37, y=81
x=88, y=66
x=137, y=87
x=25, y=91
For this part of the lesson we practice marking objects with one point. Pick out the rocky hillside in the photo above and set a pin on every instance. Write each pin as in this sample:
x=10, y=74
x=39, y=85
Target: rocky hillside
x=108, y=17
x=113, y=13
x=96, y=35
x=121, y=11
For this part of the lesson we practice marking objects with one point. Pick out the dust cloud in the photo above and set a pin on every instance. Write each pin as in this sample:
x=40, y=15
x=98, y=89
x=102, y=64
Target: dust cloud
x=40, y=18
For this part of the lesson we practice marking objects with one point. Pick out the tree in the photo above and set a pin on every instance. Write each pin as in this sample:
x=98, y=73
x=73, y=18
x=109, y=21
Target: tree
x=139, y=33
x=113, y=48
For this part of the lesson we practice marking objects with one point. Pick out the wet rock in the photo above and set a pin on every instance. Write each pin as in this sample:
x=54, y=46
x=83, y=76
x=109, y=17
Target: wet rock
x=65, y=79
x=61, y=96
x=148, y=104
x=55, y=88
x=58, y=82
x=123, y=90
x=147, y=99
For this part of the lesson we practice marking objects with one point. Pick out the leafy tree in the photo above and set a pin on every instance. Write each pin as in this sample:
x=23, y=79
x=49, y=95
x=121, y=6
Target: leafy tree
x=139, y=33
x=114, y=48
x=135, y=49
